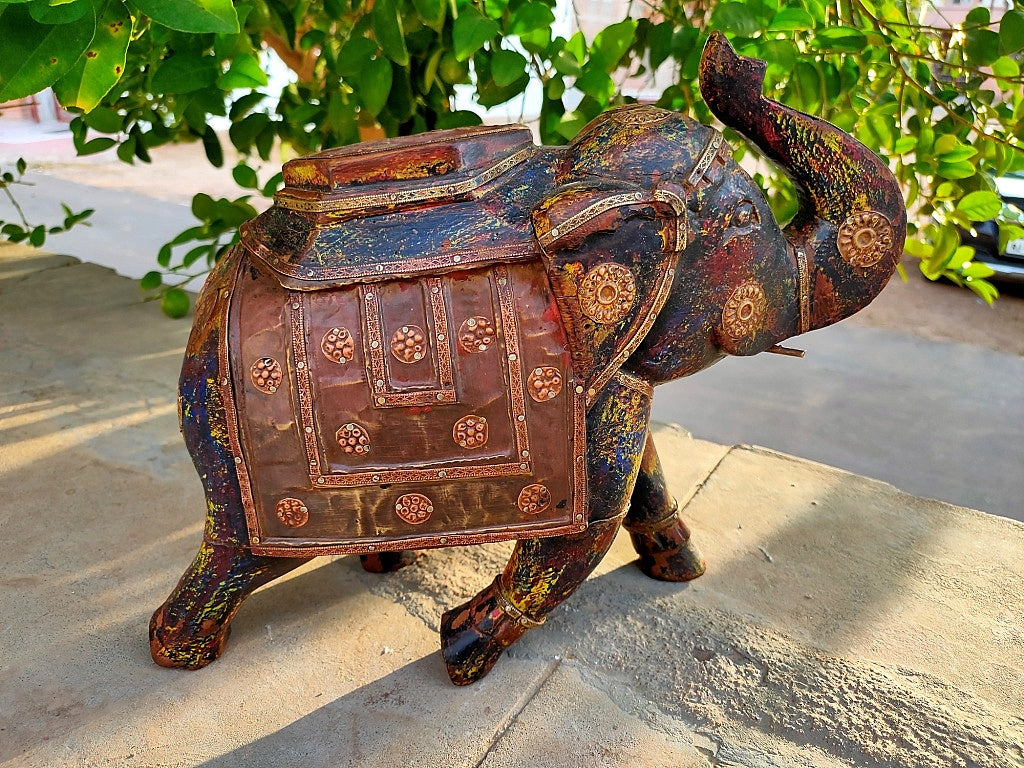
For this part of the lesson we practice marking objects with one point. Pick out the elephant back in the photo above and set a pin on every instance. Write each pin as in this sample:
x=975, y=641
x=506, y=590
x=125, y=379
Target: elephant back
x=411, y=206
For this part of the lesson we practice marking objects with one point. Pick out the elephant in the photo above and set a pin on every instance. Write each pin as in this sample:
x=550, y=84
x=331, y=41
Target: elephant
x=453, y=338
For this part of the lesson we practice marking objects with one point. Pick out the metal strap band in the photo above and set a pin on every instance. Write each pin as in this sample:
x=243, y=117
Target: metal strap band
x=658, y=525
x=634, y=382
x=707, y=156
x=592, y=211
x=803, y=289
x=509, y=608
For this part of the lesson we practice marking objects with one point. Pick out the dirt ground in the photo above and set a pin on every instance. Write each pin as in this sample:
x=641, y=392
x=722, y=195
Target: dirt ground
x=936, y=311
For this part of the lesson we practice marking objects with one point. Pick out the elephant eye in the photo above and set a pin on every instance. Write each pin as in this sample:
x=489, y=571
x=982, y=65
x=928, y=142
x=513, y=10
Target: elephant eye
x=744, y=216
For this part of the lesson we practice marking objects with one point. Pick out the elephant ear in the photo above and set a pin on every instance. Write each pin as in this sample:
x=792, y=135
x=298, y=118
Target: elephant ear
x=610, y=253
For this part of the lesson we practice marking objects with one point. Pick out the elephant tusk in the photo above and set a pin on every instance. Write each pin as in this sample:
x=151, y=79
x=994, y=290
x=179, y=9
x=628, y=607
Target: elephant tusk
x=777, y=349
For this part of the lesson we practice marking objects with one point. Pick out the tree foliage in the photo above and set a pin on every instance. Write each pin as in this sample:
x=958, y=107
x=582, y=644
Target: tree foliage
x=941, y=103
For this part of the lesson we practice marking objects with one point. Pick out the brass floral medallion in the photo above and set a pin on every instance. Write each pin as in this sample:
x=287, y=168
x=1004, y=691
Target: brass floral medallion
x=292, y=512
x=864, y=238
x=744, y=311
x=414, y=508
x=353, y=439
x=409, y=344
x=470, y=432
x=544, y=383
x=338, y=346
x=476, y=334
x=534, y=499
x=607, y=292
x=267, y=375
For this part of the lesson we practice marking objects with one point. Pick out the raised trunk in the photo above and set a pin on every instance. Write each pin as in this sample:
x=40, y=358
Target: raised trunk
x=852, y=219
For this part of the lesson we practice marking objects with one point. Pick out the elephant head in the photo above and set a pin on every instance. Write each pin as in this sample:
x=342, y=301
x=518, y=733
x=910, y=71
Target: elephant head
x=740, y=283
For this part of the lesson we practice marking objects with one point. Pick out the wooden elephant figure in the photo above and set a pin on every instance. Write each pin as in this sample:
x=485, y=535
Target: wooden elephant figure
x=453, y=338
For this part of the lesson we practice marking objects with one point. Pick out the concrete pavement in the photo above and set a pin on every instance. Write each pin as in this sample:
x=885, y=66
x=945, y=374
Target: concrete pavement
x=841, y=622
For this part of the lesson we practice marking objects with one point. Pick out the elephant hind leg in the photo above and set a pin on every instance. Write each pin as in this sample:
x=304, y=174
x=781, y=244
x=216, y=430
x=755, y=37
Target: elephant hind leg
x=387, y=562
x=658, y=534
x=191, y=628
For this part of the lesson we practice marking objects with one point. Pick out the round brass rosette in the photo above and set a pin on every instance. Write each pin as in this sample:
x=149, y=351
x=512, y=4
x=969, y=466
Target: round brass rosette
x=409, y=344
x=476, y=334
x=414, y=508
x=544, y=383
x=353, y=439
x=744, y=311
x=864, y=238
x=534, y=499
x=267, y=375
x=337, y=345
x=292, y=512
x=470, y=432
x=606, y=293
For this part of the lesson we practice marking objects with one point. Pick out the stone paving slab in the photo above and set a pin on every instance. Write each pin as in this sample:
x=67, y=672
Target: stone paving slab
x=841, y=622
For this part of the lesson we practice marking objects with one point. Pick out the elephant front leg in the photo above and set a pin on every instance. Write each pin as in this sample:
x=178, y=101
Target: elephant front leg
x=191, y=628
x=544, y=572
x=658, y=534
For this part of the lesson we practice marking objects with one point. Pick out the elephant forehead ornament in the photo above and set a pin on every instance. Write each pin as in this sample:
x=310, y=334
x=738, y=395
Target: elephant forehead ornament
x=453, y=338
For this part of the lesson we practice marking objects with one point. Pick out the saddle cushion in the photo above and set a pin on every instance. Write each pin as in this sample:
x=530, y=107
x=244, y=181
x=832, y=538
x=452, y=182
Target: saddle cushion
x=404, y=414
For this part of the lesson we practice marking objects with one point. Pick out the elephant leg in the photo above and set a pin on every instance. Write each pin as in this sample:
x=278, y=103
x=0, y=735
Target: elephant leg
x=387, y=562
x=542, y=573
x=192, y=626
x=658, y=534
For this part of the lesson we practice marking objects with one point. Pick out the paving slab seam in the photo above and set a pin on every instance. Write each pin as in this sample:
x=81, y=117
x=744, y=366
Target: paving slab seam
x=699, y=485
x=507, y=724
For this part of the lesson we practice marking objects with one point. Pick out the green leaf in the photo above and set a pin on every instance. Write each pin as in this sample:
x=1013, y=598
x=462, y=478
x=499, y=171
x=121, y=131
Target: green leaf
x=565, y=64
x=611, y=43
x=980, y=206
x=387, y=28
x=375, y=84
x=735, y=18
x=36, y=55
x=507, y=66
x=470, y=31
x=191, y=15
x=1006, y=67
x=977, y=269
x=981, y=47
x=151, y=281
x=1011, y=31
x=46, y=13
x=789, y=19
x=530, y=17
x=104, y=120
x=245, y=176
x=211, y=145
x=245, y=72
x=38, y=235
x=432, y=12
x=959, y=169
x=98, y=69
x=175, y=303
x=184, y=73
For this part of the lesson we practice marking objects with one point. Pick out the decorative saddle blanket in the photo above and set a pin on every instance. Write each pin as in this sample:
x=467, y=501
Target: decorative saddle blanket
x=420, y=412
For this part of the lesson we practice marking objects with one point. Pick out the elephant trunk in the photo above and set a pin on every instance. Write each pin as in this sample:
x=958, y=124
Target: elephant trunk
x=848, y=234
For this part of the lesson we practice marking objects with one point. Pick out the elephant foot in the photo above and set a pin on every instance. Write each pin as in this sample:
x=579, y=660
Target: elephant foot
x=665, y=549
x=171, y=646
x=474, y=635
x=387, y=562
